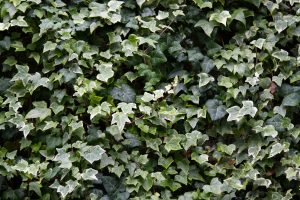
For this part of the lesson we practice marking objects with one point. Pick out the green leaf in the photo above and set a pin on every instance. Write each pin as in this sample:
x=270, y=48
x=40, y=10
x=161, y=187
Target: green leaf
x=70, y=187
x=276, y=149
x=130, y=45
x=292, y=99
x=248, y=109
x=140, y=2
x=173, y=143
x=207, y=64
x=258, y=43
x=63, y=158
x=215, y=109
x=215, y=187
x=268, y=130
x=282, y=55
x=202, y=4
x=92, y=153
x=236, y=113
x=221, y=17
x=148, y=183
x=40, y=113
x=280, y=25
x=228, y=149
x=165, y=162
x=106, y=71
x=49, y=46
x=154, y=143
x=147, y=97
x=239, y=15
x=161, y=14
x=120, y=119
x=36, y=187
x=89, y=174
x=124, y=93
x=200, y=159
x=204, y=79
x=193, y=138
x=207, y=26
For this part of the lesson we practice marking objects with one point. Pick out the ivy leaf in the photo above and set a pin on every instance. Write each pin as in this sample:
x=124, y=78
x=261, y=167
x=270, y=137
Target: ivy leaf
x=140, y=2
x=49, y=46
x=204, y=79
x=40, y=113
x=92, y=153
x=124, y=93
x=239, y=15
x=64, y=158
x=106, y=72
x=70, y=187
x=215, y=187
x=207, y=65
x=200, y=159
x=202, y=4
x=292, y=99
x=248, y=109
x=268, y=130
x=280, y=25
x=120, y=119
x=215, y=109
x=173, y=143
x=276, y=149
x=36, y=187
x=130, y=45
x=193, y=138
x=207, y=26
x=220, y=17
x=258, y=43
x=89, y=174
x=282, y=55
x=234, y=114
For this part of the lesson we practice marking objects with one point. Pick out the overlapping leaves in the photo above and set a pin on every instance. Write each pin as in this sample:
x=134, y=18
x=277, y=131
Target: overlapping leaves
x=147, y=99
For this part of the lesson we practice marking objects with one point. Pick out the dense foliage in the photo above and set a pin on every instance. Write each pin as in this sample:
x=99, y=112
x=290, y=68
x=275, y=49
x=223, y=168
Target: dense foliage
x=149, y=99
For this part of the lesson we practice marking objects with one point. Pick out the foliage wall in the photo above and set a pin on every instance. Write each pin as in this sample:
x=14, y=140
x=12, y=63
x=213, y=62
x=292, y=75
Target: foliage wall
x=149, y=99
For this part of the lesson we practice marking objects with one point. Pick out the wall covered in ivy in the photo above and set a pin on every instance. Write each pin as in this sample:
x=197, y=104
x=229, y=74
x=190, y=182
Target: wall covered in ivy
x=149, y=99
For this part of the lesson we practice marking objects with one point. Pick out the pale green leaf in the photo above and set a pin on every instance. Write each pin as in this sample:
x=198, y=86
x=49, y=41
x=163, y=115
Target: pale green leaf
x=120, y=119
x=221, y=17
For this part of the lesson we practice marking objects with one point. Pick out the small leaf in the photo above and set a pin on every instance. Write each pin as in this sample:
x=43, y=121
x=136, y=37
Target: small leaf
x=276, y=149
x=207, y=65
x=120, y=119
x=207, y=26
x=280, y=25
x=40, y=113
x=239, y=15
x=49, y=46
x=173, y=143
x=248, y=109
x=258, y=43
x=215, y=109
x=282, y=55
x=92, y=153
x=220, y=17
x=233, y=114
x=106, y=72
x=89, y=174
x=204, y=79
x=200, y=159
x=140, y=2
